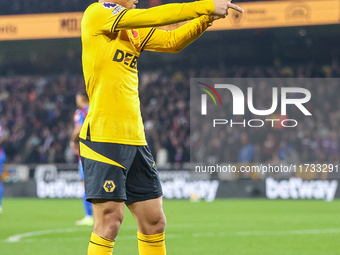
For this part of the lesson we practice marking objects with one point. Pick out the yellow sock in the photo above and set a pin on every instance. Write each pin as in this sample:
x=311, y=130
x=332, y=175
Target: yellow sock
x=100, y=246
x=151, y=244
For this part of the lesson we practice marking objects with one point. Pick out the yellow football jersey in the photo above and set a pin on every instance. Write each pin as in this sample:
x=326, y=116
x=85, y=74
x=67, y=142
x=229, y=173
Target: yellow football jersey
x=112, y=39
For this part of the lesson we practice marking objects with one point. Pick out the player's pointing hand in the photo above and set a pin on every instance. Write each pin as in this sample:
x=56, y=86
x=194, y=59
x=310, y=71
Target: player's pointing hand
x=222, y=7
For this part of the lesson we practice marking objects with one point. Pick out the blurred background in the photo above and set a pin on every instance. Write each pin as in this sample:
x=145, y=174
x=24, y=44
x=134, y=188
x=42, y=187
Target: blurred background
x=41, y=72
x=39, y=79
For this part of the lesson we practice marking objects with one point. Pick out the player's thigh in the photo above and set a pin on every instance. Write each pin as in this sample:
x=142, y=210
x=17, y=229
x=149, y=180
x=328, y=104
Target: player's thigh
x=105, y=168
x=142, y=181
x=149, y=215
x=103, y=181
x=107, y=211
x=108, y=216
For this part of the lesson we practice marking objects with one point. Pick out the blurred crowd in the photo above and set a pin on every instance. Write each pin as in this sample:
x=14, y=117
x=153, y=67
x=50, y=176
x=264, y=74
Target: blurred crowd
x=316, y=138
x=37, y=113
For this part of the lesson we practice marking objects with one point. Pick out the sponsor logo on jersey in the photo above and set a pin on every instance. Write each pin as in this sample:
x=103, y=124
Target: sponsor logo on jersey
x=109, y=5
x=126, y=57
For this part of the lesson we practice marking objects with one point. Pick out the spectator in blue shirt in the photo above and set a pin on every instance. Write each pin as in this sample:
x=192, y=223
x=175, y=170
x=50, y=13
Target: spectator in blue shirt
x=246, y=154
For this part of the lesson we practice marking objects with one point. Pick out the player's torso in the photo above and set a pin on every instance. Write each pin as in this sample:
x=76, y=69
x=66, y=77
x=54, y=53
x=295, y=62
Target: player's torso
x=80, y=115
x=107, y=52
x=111, y=77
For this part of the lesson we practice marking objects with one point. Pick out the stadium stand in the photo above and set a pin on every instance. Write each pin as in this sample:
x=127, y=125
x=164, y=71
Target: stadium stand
x=37, y=112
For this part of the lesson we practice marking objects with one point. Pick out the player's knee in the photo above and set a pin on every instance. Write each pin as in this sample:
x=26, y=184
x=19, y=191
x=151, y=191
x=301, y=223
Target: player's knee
x=162, y=223
x=157, y=223
x=107, y=223
x=113, y=219
x=110, y=225
x=113, y=227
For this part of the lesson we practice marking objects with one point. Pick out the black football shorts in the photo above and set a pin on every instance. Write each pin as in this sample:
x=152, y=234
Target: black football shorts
x=119, y=172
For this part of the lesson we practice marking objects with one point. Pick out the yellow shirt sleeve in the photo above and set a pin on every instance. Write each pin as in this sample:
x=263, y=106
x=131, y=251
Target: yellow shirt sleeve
x=174, y=41
x=164, y=15
x=100, y=18
x=110, y=17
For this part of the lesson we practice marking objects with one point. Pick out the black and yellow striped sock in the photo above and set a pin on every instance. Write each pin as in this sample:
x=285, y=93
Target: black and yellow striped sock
x=100, y=246
x=151, y=244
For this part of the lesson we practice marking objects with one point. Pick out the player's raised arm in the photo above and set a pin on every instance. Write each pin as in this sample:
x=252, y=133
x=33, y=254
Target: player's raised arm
x=176, y=40
x=111, y=17
x=164, y=14
x=173, y=13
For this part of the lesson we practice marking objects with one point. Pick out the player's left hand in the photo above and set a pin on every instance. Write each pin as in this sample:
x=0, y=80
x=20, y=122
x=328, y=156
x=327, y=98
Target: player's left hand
x=230, y=5
x=234, y=7
x=75, y=147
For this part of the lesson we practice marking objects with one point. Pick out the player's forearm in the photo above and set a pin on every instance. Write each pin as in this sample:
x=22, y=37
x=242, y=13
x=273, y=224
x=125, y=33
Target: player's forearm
x=164, y=14
x=75, y=134
x=176, y=40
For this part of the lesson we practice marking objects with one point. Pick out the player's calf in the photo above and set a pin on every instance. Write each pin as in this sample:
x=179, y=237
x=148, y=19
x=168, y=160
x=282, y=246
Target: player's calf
x=151, y=235
x=108, y=216
x=151, y=223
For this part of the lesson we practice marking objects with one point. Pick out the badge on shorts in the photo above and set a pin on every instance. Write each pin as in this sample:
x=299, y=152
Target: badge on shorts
x=109, y=186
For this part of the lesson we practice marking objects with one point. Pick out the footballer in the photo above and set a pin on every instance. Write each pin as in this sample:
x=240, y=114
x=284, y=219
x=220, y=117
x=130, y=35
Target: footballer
x=118, y=166
x=79, y=116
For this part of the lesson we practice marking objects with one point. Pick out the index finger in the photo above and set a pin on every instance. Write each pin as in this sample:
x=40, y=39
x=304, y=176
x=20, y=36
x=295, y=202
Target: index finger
x=235, y=7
